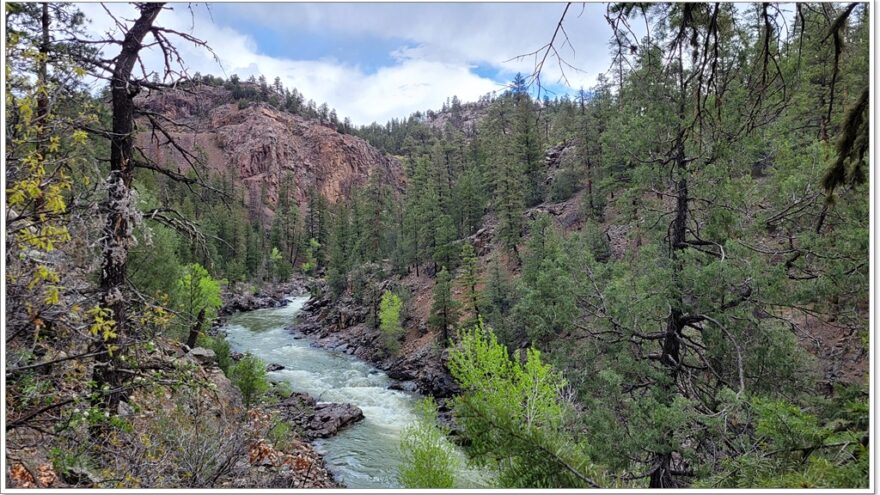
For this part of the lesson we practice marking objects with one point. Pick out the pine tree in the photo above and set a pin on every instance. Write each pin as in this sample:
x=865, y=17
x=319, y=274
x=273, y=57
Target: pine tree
x=316, y=223
x=285, y=232
x=444, y=310
x=340, y=257
x=470, y=278
x=469, y=200
x=507, y=176
x=527, y=149
x=547, y=307
x=445, y=250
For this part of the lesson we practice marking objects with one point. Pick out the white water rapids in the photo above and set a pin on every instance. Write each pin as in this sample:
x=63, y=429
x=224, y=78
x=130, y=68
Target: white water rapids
x=365, y=455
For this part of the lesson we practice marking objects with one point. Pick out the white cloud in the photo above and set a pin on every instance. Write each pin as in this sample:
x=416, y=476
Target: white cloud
x=482, y=33
x=447, y=40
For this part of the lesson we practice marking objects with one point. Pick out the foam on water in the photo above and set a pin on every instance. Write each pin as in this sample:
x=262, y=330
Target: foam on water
x=365, y=455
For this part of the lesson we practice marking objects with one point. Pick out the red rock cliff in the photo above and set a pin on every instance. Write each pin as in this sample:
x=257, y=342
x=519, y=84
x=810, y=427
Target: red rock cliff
x=260, y=143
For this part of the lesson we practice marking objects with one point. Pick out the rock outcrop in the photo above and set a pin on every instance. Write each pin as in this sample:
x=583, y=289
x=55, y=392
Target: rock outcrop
x=245, y=297
x=317, y=420
x=234, y=302
x=341, y=325
x=256, y=144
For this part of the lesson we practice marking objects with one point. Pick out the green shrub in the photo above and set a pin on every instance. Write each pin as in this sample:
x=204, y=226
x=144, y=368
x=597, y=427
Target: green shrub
x=64, y=462
x=220, y=347
x=249, y=375
x=389, y=318
x=428, y=458
x=281, y=435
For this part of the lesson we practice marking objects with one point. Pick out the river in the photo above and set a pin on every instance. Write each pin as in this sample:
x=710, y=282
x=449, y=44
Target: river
x=364, y=455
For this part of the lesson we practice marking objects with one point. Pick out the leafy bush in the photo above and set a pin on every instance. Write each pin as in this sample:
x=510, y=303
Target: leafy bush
x=249, y=375
x=66, y=462
x=221, y=348
x=389, y=318
x=512, y=415
x=190, y=448
x=281, y=435
x=428, y=458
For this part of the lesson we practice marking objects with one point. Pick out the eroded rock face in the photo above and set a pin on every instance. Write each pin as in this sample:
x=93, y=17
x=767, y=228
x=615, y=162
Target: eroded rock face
x=257, y=145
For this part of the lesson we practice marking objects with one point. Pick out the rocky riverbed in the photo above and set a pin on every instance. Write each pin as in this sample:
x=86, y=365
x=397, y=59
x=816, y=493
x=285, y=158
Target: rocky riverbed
x=246, y=297
x=341, y=325
x=317, y=420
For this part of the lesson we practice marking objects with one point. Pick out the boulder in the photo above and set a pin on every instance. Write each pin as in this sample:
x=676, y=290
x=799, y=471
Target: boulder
x=203, y=356
x=124, y=409
x=330, y=418
x=274, y=367
x=404, y=386
x=316, y=420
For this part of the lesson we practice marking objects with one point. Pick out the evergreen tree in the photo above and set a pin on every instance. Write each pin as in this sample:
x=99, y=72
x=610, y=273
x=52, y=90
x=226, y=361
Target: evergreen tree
x=445, y=250
x=500, y=295
x=444, y=310
x=340, y=251
x=468, y=200
x=507, y=174
x=527, y=149
x=470, y=278
x=316, y=224
x=547, y=307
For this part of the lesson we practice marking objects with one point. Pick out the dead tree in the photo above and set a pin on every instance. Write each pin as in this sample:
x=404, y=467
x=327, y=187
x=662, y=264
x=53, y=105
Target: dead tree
x=126, y=158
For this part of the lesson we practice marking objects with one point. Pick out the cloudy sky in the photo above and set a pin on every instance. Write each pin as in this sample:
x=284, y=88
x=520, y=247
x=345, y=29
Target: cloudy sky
x=376, y=61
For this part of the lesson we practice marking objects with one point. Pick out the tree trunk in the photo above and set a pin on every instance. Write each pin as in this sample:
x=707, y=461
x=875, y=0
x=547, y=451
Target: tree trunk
x=117, y=230
x=42, y=69
x=196, y=329
x=662, y=477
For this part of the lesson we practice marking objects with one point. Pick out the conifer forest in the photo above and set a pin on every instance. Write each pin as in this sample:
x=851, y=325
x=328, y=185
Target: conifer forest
x=658, y=279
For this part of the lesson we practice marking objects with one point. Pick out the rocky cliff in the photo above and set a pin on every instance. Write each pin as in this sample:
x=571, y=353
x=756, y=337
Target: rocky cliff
x=255, y=144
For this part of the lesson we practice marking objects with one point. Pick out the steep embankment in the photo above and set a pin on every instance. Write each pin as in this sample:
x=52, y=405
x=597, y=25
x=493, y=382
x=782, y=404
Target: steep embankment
x=347, y=323
x=255, y=144
x=185, y=426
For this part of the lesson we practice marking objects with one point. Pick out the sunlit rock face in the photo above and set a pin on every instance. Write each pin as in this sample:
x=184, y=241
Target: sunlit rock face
x=257, y=145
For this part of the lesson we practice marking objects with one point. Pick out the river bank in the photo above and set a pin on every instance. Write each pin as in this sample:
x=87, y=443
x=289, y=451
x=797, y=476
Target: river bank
x=362, y=454
x=341, y=325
